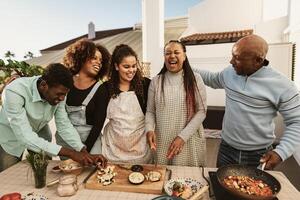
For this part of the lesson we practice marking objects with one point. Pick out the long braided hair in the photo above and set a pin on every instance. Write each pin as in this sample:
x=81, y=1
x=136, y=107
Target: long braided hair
x=190, y=84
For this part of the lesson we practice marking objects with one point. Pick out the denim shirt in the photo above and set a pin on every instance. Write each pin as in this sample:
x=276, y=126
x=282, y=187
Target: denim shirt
x=24, y=113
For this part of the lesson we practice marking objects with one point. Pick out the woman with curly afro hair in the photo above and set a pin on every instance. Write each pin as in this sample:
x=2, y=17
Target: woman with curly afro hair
x=89, y=63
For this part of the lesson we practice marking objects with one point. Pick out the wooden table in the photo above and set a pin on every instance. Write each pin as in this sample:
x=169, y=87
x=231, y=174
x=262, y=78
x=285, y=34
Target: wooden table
x=18, y=178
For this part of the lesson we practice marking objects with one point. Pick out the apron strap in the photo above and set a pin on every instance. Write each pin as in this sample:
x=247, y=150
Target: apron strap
x=91, y=94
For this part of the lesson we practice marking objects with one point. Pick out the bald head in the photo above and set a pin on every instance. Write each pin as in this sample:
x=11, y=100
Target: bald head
x=253, y=44
x=248, y=54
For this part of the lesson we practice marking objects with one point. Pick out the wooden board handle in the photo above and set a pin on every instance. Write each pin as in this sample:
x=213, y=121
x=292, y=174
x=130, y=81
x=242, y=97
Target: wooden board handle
x=198, y=194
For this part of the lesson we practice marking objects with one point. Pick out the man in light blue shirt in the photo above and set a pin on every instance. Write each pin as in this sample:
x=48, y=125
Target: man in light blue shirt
x=255, y=92
x=29, y=103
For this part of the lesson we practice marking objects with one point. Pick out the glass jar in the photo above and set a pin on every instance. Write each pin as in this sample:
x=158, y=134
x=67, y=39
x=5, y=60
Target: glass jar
x=67, y=185
x=40, y=177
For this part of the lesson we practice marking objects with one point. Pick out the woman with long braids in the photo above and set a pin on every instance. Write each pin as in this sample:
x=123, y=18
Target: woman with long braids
x=175, y=111
x=124, y=98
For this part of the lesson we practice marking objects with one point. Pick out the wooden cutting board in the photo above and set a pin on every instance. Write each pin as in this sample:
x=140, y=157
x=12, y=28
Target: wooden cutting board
x=122, y=183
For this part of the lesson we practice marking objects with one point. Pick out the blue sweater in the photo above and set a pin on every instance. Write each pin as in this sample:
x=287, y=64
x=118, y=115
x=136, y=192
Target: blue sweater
x=252, y=103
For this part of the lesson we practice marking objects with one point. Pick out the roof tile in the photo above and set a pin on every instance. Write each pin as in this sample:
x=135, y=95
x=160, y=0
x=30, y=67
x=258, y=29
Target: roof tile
x=217, y=35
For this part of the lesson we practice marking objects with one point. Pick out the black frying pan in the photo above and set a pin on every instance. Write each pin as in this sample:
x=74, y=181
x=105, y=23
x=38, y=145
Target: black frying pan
x=243, y=170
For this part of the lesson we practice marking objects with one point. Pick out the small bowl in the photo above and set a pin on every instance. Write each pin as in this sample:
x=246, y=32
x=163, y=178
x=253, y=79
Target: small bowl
x=136, y=178
x=137, y=168
x=70, y=167
x=56, y=169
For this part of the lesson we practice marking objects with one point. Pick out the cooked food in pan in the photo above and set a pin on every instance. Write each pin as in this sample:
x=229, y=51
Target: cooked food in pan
x=248, y=185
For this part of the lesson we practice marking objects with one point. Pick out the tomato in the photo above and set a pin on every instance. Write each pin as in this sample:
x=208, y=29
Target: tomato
x=175, y=193
x=11, y=196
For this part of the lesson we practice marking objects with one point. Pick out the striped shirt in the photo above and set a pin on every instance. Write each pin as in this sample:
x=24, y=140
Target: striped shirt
x=252, y=102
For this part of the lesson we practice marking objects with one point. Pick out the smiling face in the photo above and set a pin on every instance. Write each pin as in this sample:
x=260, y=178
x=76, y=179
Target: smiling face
x=248, y=55
x=53, y=94
x=93, y=65
x=244, y=63
x=127, y=68
x=174, y=57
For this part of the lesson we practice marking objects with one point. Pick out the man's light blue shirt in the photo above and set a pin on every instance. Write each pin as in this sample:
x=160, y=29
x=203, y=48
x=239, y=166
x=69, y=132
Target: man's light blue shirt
x=24, y=113
x=252, y=102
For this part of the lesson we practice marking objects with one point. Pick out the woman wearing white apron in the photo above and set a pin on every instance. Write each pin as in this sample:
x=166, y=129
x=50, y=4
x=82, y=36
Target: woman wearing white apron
x=89, y=63
x=125, y=97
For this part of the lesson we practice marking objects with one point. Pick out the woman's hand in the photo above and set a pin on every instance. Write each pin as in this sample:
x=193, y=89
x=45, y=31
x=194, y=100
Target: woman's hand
x=151, y=137
x=175, y=148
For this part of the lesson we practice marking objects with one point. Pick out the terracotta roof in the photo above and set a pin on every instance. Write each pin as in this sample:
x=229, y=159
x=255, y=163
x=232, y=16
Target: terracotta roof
x=219, y=37
x=99, y=35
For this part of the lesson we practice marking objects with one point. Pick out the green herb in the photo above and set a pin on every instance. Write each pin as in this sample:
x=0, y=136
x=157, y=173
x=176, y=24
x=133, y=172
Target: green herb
x=38, y=163
x=37, y=160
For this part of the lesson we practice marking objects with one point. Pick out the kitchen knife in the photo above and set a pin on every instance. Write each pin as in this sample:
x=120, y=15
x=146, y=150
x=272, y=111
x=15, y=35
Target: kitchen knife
x=154, y=156
x=90, y=174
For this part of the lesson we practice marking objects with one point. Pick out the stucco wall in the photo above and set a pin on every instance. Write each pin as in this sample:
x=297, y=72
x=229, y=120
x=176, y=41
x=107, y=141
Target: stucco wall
x=225, y=15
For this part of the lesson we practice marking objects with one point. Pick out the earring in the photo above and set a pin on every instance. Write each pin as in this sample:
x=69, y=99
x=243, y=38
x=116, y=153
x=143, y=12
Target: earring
x=117, y=68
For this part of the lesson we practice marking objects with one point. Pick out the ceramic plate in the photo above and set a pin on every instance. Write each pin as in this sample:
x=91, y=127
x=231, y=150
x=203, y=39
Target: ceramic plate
x=195, y=185
x=33, y=196
x=167, y=197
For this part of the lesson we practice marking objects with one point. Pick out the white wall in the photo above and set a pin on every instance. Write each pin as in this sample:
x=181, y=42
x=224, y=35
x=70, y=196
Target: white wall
x=213, y=58
x=274, y=8
x=225, y=15
x=272, y=30
x=294, y=35
x=268, y=18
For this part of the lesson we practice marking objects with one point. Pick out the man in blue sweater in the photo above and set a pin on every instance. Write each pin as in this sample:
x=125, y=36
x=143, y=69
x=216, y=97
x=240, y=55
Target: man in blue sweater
x=255, y=92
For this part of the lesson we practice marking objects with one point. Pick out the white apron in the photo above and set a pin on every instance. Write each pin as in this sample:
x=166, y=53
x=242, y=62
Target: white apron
x=123, y=137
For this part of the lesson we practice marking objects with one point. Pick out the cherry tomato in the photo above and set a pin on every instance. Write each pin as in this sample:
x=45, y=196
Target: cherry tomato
x=11, y=196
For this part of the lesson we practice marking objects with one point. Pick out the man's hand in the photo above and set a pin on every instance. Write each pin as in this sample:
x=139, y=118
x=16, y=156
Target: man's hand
x=100, y=161
x=272, y=159
x=151, y=136
x=175, y=148
x=82, y=157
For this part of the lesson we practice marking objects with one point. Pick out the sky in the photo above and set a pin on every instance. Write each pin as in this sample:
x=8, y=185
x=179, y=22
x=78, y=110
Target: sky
x=32, y=25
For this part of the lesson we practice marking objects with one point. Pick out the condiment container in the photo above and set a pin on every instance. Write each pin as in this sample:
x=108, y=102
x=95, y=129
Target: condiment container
x=67, y=185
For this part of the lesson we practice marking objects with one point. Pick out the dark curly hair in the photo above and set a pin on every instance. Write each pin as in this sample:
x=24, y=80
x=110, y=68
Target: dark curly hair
x=57, y=74
x=190, y=84
x=120, y=52
x=81, y=51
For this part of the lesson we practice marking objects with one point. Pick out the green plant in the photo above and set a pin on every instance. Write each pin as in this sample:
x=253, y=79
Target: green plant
x=20, y=68
x=9, y=54
x=28, y=55
x=13, y=67
x=38, y=162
